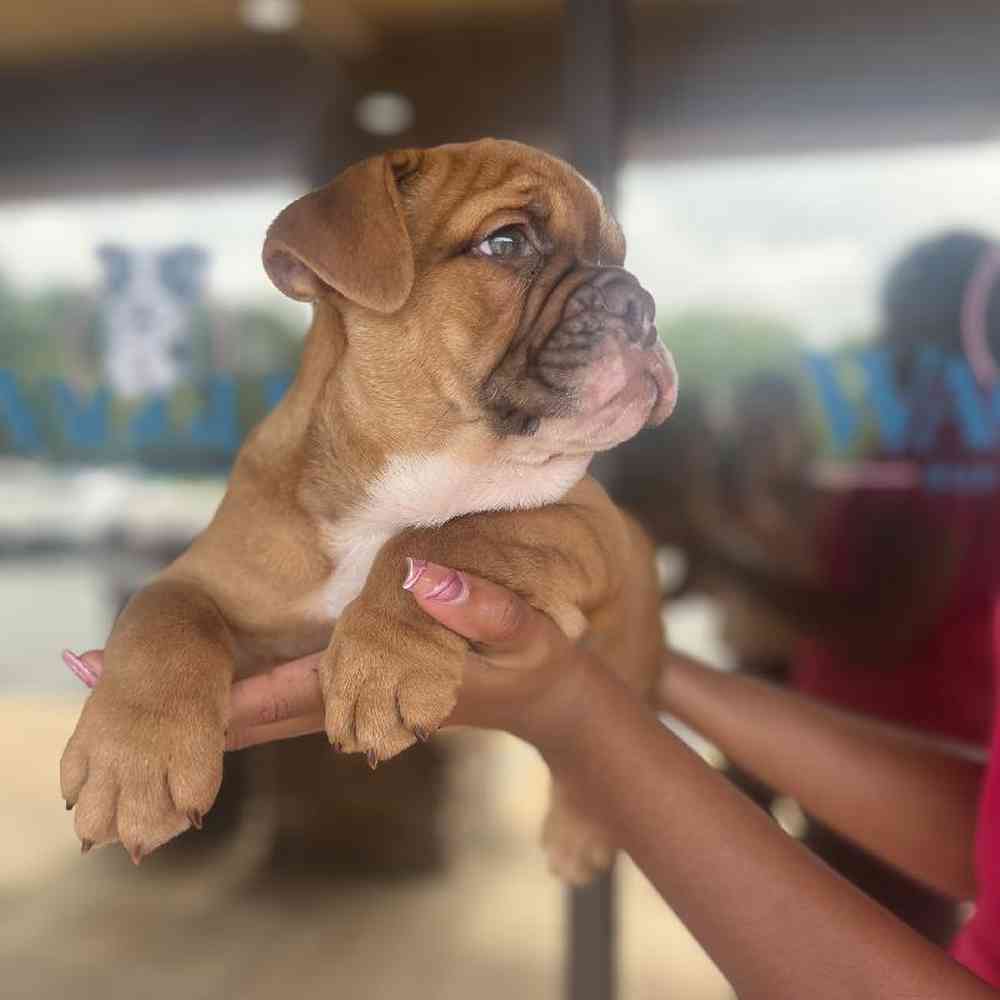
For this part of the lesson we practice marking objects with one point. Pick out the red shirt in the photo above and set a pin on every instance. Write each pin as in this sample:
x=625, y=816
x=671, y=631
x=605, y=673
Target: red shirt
x=978, y=944
x=946, y=685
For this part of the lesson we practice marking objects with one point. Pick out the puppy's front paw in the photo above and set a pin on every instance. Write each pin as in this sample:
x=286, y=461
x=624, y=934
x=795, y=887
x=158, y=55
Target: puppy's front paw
x=141, y=776
x=578, y=849
x=387, y=684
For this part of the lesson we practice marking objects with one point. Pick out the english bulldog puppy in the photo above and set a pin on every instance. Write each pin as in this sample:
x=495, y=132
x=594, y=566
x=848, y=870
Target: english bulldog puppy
x=475, y=341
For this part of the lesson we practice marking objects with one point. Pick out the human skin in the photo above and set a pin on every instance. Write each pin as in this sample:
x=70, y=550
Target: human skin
x=776, y=920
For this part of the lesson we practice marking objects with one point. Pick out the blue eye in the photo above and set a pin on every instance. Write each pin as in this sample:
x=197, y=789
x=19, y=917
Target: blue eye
x=506, y=244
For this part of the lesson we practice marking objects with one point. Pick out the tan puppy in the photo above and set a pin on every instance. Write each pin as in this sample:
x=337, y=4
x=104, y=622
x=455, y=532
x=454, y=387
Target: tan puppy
x=475, y=341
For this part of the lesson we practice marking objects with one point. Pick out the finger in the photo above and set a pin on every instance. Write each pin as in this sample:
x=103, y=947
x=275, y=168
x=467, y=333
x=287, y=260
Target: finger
x=286, y=692
x=239, y=738
x=88, y=667
x=485, y=612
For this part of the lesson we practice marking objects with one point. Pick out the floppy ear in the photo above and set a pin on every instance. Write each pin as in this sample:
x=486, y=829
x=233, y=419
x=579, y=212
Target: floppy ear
x=348, y=236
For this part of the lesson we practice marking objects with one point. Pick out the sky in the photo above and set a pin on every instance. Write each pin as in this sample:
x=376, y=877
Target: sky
x=802, y=238
x=54, y=240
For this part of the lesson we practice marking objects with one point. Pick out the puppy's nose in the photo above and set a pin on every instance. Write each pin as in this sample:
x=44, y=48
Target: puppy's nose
x=618, y=293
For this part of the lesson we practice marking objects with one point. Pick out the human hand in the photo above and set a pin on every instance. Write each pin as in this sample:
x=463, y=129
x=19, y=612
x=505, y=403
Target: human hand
x=522, y=675
x=277, y=705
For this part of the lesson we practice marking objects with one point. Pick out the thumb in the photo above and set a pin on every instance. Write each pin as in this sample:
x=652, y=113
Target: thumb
x=490, y=615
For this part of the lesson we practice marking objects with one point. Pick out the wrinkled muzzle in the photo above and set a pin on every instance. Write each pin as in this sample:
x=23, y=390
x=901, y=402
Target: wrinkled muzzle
x=606, y=356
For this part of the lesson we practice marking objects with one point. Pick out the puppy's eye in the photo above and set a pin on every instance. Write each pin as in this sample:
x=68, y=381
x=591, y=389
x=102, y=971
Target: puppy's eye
x=507, y=244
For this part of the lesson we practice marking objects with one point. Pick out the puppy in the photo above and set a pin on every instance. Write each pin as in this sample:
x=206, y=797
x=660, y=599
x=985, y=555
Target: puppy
x=475, y=341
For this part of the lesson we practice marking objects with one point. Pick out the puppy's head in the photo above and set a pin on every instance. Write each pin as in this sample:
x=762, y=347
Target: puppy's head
x=483, y=300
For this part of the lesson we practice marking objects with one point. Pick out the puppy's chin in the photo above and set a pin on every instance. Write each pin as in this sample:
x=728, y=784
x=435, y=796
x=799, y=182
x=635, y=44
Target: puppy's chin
x=625, y=389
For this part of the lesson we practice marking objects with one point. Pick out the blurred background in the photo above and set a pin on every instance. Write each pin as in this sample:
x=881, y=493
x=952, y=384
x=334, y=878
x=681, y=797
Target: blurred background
x=806, y=189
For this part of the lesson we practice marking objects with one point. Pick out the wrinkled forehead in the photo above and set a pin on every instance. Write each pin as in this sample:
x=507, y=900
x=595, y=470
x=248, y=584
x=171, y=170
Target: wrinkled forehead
x=461, y=187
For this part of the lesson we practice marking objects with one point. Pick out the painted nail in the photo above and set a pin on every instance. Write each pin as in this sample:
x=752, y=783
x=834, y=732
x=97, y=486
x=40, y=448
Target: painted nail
x=414, y=571
x=441, y=585
x=194, y=818
x=453, y=589
x=69, y=807
x=85, y=845
x=79, y=668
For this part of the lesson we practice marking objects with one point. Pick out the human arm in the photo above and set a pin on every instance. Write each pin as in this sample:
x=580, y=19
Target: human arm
x=775, y=920
x=906, y=797
x=896, y=561
x=909, y=798
x=277, y=705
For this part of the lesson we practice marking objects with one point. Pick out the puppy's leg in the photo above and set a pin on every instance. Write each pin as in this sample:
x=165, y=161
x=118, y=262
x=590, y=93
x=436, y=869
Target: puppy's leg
x=145, y=760
x=391, y=672
x=627, y=635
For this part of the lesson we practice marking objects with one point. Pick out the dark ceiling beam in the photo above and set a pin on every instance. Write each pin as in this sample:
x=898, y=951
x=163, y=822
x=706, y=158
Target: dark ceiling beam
x=714, y=79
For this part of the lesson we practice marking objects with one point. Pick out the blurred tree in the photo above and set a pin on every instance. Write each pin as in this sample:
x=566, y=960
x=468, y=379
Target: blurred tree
x=715, y=347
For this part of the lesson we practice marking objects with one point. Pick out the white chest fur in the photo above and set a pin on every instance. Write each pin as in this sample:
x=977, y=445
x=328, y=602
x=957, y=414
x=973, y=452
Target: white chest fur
x=424, y=491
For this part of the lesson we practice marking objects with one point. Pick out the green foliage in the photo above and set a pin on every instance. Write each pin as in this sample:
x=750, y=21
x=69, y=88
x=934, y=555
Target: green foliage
x=714, y=348
x=719, y=350
x=42, y=333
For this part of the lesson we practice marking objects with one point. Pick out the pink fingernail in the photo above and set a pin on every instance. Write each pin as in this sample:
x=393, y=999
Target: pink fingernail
x=79, y=668
x=453, y=589
x=414, y=571
x=436, y=583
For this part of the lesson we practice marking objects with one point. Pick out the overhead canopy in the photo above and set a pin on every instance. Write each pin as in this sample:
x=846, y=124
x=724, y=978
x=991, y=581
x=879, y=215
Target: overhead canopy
x=106, y=94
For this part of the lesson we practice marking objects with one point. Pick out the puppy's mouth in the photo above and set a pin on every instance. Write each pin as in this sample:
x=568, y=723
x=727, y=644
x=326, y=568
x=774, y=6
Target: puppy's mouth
x=624, y=375
x=625, y=388
x=596, y=377
x=605, y=364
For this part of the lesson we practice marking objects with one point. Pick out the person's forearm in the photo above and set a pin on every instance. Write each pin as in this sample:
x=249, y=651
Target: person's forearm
x=909, y=799
x=850, y=624
x=777, y=922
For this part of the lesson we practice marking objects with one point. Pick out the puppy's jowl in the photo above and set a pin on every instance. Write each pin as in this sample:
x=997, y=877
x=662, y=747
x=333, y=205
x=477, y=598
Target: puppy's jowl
x=475, y=341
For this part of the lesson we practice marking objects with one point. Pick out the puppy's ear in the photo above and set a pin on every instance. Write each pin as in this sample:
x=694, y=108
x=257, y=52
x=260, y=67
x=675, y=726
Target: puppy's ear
x=349, y=236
